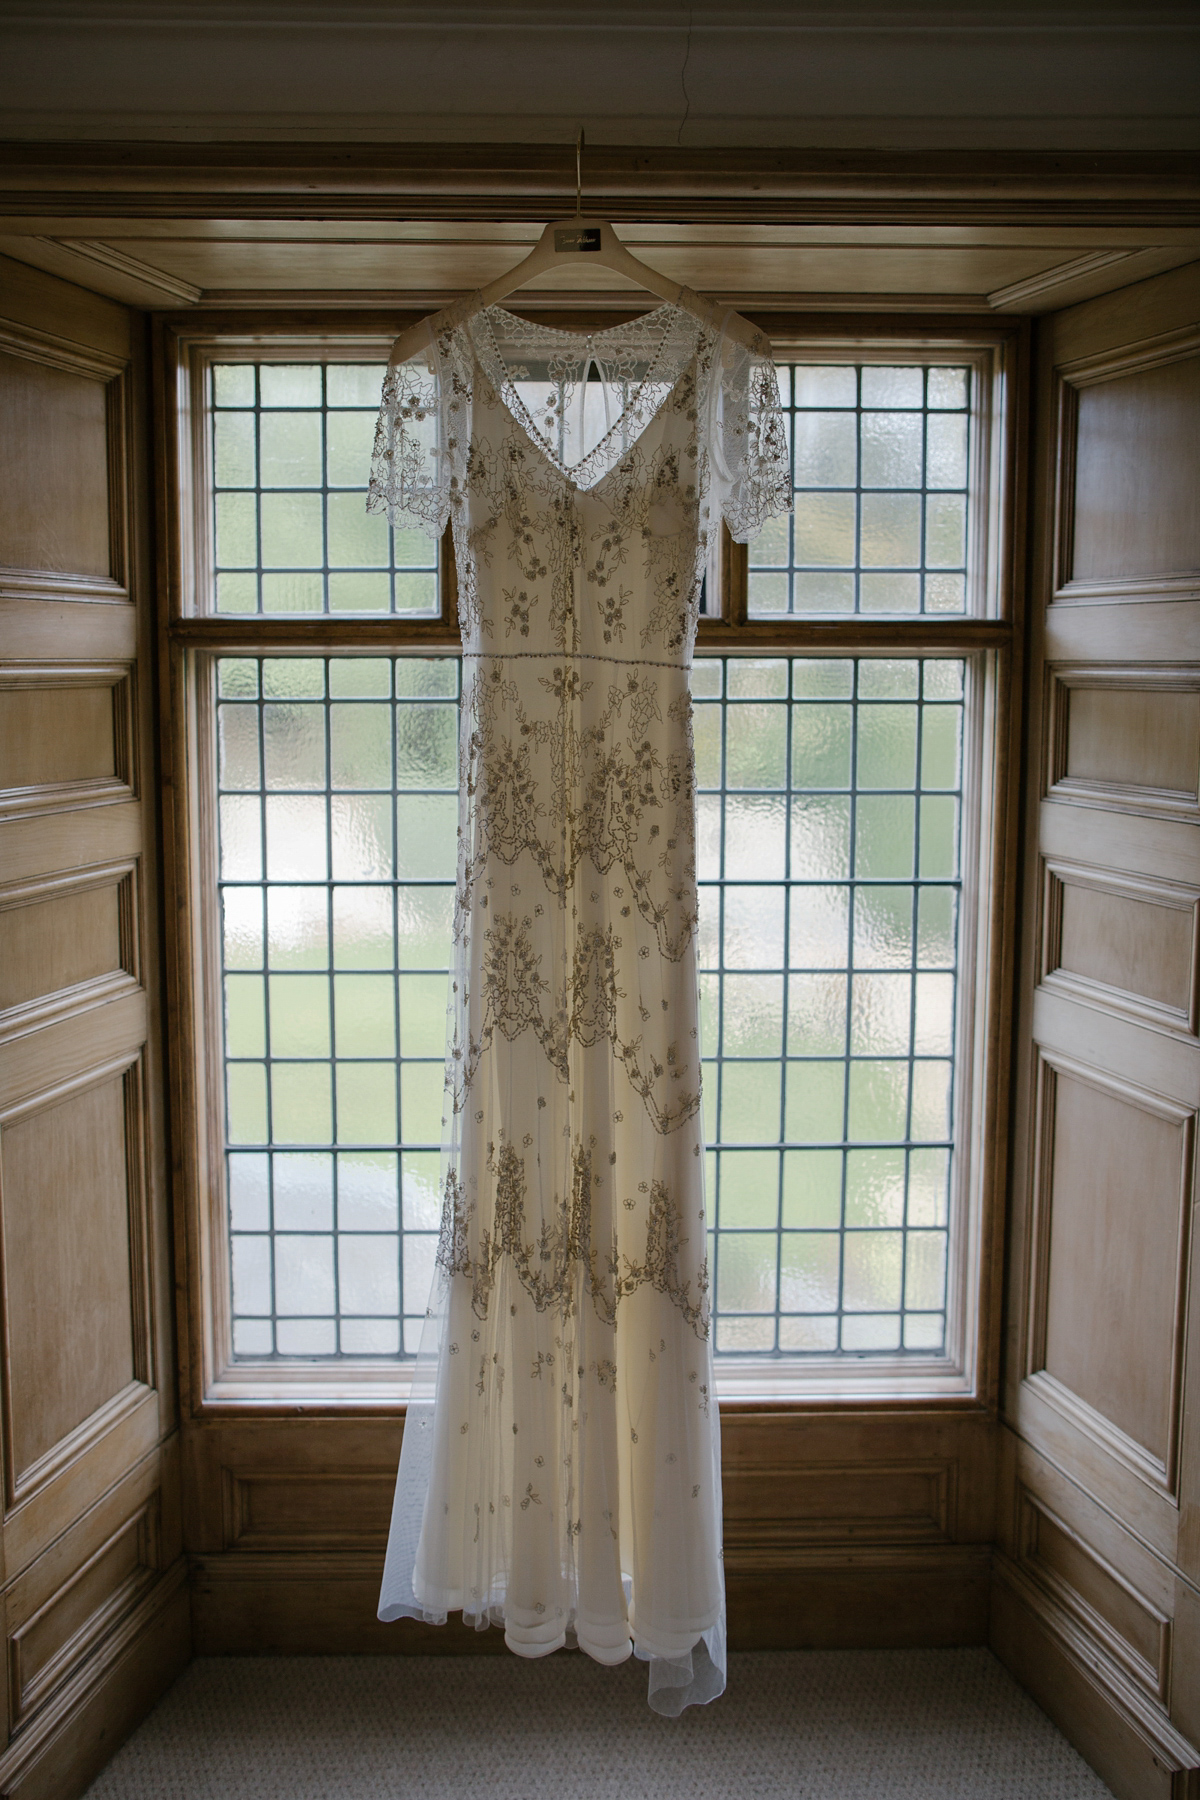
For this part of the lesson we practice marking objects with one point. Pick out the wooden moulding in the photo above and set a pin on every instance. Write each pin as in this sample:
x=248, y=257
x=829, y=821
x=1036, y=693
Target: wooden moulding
x=1122, y=1730
x=482, y=181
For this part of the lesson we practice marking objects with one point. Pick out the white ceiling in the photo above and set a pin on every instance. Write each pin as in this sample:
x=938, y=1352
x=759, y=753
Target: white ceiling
x=878, y=74
x=234, y=152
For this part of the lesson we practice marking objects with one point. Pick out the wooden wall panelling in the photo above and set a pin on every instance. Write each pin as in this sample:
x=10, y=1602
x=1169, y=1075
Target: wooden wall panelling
x=1098, y=1575
x=95, y=1611
x=842, y=1526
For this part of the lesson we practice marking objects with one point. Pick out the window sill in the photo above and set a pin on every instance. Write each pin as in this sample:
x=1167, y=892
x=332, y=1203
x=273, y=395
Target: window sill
x=789, y=1382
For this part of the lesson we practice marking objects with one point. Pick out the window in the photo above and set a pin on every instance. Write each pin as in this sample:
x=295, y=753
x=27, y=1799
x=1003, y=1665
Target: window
x=845, y=685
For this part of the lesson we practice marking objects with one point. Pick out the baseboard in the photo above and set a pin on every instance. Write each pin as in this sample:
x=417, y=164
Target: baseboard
x=65, y=1745
x=301, y=1603
x=1123, y=1732
x=866, y=1599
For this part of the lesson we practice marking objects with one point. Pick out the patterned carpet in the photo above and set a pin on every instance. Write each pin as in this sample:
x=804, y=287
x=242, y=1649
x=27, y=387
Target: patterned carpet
x=805, y=1725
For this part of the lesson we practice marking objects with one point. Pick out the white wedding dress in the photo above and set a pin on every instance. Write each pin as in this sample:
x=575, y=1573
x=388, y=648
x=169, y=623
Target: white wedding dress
x=560, y=1470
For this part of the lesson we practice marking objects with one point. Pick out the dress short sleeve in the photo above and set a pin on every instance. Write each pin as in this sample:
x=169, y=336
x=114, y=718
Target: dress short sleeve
x=749, y=444
x=410, y=470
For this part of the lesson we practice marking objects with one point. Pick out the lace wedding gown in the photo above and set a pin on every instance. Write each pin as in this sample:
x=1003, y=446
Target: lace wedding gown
x=560, y=1469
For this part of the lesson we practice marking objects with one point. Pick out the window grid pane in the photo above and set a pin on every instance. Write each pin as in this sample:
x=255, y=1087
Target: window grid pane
x=291, y=453
x=337, y=793
x=880, y=470
x=830, y=882
x=828, y=838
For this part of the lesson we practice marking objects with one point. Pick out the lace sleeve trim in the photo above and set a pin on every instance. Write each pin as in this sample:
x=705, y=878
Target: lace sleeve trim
x=412, y=477
x=749, y=444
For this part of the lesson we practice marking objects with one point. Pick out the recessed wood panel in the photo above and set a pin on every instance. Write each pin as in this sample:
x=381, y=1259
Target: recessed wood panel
x=884, y=1503
x=47, y=945
x=1137, y=474
x=1085, y=1578
x=48, y=1646
x=1134, y=737
x=65, y=1202
x=55, y=734
x=54, y=475
x=1114, y=1247
x=1124, y=942
x=285, y=1510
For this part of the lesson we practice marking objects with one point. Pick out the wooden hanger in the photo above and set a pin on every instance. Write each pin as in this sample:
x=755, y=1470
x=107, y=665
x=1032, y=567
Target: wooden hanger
x=585, y=238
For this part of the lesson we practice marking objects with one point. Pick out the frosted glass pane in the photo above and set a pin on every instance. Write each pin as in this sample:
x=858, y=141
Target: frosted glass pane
x=826, y=449
x=426, y=825
x=750, y=1095
x=290, y=384
x=349, y=439
x=891, y=450
x=881, y=1014
x=293, y=746
x=821, y=746
x=304, y=1274
x=426, y=746
x=824, y=527
x=812, y=1188
x=368, y=1198
x=754, y=927
x=756, y=753
x=234, y=458
x=303, y=1191
x=249, y=1192
x=820, y=838
x=820, y=928
x=241, y=838
x=237, y=738
x=365, y=1015
x=706, y=732
x=756, y=835
x=360, y=746
x=809, y=1271
x=872, y=1270
x=816, y=1015
x=296, y=848
x=357, y=539
x=233, y=384
x=746, y=1278
x=369, y=1274
x=749, y=1186
x=875, y=1187
x=819, y=384
x=360, y=828
x=293, y=531
x=237, y=531
x=366, y=1102
x=752, y=1015
x=290, y=449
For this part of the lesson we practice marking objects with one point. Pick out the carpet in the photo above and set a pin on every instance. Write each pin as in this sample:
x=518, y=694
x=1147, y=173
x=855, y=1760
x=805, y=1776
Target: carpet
x=805, y=1725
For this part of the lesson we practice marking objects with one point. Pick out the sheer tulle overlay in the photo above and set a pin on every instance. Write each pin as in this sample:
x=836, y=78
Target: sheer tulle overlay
x=560, y=1471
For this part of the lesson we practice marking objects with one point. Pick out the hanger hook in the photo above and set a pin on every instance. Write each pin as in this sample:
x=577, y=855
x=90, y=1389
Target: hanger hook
x=579, y=174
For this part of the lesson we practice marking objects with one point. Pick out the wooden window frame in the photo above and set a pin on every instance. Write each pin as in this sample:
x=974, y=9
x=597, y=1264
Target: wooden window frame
x=191, y=637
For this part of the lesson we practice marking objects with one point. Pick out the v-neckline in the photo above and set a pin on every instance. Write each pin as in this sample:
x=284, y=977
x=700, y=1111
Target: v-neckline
x=521, y=417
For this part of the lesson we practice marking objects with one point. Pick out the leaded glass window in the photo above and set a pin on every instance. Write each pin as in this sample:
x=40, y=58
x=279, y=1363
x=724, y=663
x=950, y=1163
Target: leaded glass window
x=835, y=797
x=880, y=465
x=290, y=446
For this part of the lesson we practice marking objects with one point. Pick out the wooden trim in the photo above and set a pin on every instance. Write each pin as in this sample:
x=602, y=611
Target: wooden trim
x=1123, y=1730
x=77, y=1729
x=50, y=585
x=231, y=635
x=1129, y=359
x=484, y=180
x=1059, y=873
x=1162, y=1475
